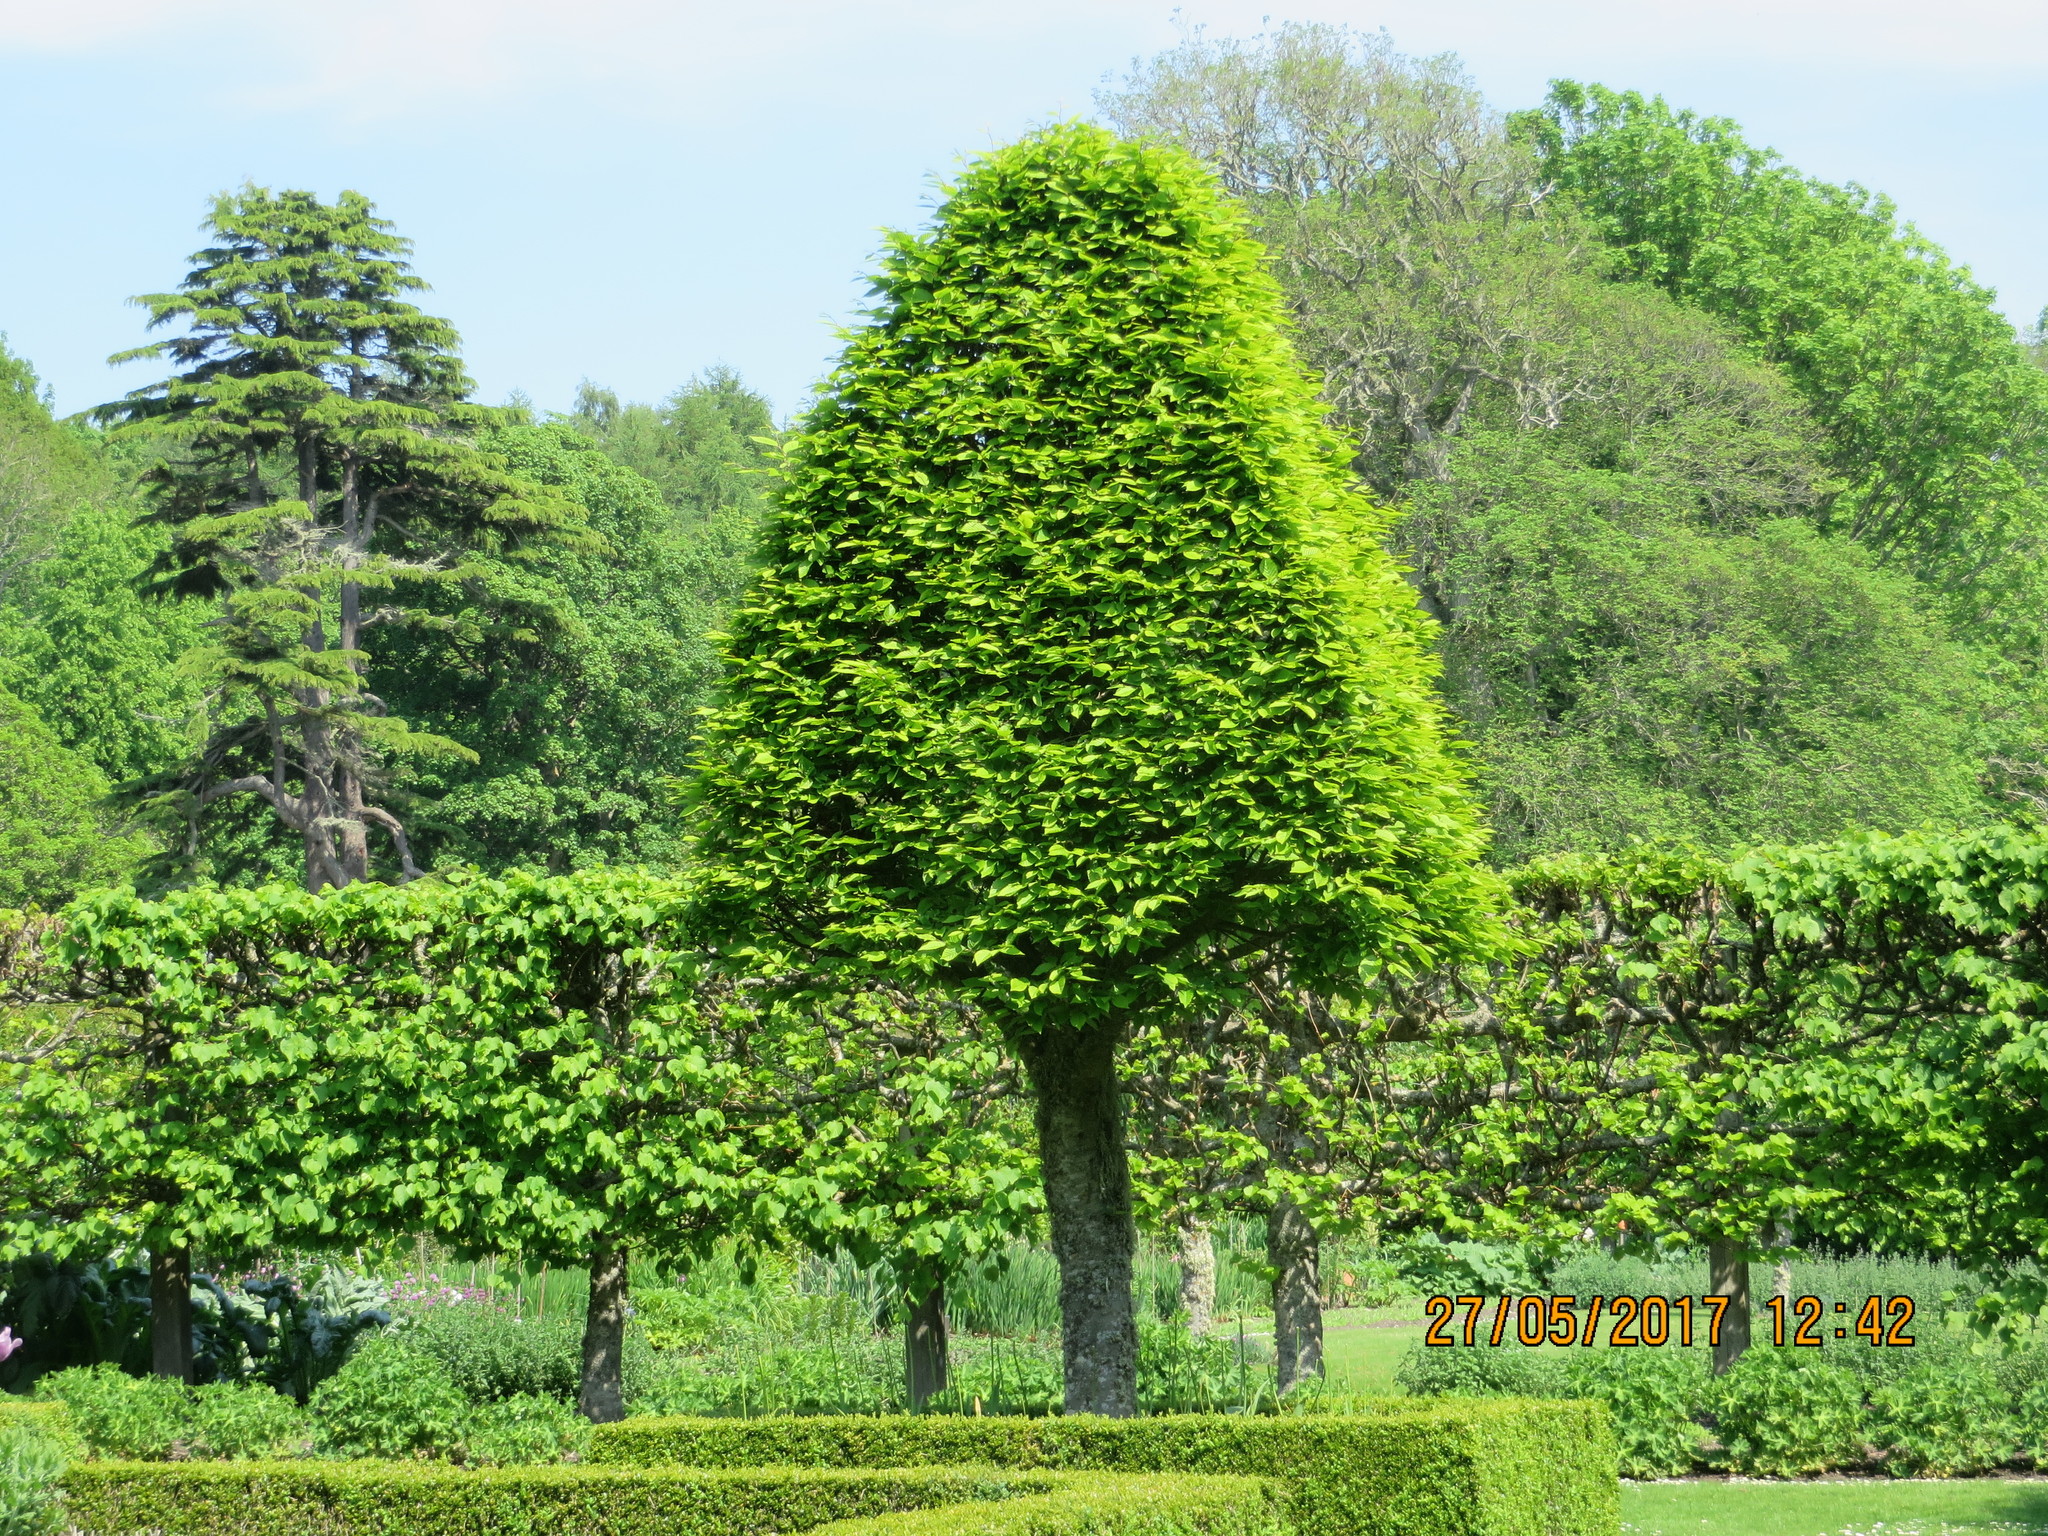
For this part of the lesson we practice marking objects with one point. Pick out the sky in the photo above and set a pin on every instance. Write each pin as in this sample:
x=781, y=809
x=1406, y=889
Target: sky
x=630, y=191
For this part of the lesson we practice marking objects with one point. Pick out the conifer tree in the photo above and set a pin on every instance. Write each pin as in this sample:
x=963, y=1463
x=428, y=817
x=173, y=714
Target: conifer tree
x=1076, y=682
x=318, y=458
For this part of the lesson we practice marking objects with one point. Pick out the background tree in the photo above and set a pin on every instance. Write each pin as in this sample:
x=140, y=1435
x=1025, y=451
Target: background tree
x=1074, y=681
x=1934, y=417
x=319, y=451
x=1609, y=493
x=56, y=837
x=578, y=677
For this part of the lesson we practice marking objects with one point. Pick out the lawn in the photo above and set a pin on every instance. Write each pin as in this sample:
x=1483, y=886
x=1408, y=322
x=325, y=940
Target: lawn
x=1837, y=1507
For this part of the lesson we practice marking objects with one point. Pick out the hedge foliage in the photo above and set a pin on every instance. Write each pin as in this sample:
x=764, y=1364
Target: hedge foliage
x=423, y=1499
x=1099, y=1506
x=1456, y=1468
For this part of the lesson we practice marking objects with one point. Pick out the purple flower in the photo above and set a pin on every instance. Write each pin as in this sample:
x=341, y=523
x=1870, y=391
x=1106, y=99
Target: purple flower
x=9, y=1343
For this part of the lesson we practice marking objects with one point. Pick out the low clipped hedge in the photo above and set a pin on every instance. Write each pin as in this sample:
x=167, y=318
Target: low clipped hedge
x=387, y=1498
x=1501, y=1467
x=1097, y=1504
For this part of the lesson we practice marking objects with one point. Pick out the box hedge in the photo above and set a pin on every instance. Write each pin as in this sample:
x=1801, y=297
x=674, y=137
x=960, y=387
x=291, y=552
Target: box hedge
x=1501, y=1467
x=386, y=1498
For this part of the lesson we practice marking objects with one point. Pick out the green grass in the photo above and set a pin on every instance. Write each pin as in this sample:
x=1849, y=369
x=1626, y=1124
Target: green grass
x=1847, y=1507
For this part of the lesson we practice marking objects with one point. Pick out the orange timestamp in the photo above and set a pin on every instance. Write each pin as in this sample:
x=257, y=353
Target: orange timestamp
x=1646, y=1321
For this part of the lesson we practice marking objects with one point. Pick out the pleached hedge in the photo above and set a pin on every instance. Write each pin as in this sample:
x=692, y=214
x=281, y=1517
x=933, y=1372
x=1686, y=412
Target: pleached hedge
x=255, y=1498
x=1502, y=1467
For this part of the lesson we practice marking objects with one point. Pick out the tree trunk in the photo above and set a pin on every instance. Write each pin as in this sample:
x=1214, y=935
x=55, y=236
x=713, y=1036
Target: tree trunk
x=602, y=1399
x=1781, y=1272
x=1728, y=1275
x=924, y=1346
x=1197, y=1278
x=1294, y=1251
x=170, y=1313
x=1087, y=1176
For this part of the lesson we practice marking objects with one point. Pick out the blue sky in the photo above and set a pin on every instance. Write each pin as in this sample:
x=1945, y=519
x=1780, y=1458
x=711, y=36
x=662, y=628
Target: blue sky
x=631, y=190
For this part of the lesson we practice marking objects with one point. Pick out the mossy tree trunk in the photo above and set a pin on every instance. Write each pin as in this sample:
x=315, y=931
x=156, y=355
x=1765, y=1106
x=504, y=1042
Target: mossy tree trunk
x=1197, y=1277
x=1088, y=1198
x=602, y=1395
x=924, y=1345
x=170, y=1313
x=1728, y=1275
x=1294, y=1251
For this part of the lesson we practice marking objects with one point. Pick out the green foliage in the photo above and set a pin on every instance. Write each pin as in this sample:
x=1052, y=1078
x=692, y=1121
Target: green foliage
x=153, y=1418
x=426, y=1499
x=1140, y=1506
x=1943, y=1421
x=577, y=676
x=1782, y=1413
x=1637, y=665
x=56, y=838
x=1072, y=671
x=1508, y=1370
x=1936, y=418
x=1654, y=1396
x=31, y=1500
x=492, y=1353
x=389, y=1401
x=1493, y=1468
x=97, y=659
x=525, y=1430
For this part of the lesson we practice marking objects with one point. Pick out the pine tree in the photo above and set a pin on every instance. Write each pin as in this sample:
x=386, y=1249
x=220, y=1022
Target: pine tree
x=1076, y=682
x=318, y=458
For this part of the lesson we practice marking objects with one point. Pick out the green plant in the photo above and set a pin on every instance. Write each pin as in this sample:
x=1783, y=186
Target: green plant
x=142, y=1417
x=236, y=1422
x=434, y=1499
x=1942, y=1421
x=523, y=1431
x=31, y=1500
x=491, y=1352
x=391, y=1401
x=1476, y=1468
x=1654, y=1395
x=1508, y=1369
x=1784, y=1414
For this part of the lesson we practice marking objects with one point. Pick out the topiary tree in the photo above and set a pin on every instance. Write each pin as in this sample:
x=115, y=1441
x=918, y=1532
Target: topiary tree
x=1076, y=682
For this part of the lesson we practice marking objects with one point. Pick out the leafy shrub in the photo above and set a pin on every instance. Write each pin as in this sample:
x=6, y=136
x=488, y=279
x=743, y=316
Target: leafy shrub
x=31, y=1503
x=230, y=1422
x=140, y=1418
x=1509, y=1369
x=1653, y=1395
x=490, y=1352
x=1782, y=1413
x=1940, y=1421
x=152, y=1418
x=524, y=1431
x=390, y=1400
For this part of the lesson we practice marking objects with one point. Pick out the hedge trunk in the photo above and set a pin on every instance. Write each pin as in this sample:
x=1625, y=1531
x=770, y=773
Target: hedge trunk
x=1088, y=1198
x=1295, y=1252
x=1197, y=1278
x=1728, y=1275
x=602, y=1397
x=170, y=1313
x=924, y=1345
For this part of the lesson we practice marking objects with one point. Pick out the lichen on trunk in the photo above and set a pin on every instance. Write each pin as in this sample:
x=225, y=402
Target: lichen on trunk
x=1088, y=1199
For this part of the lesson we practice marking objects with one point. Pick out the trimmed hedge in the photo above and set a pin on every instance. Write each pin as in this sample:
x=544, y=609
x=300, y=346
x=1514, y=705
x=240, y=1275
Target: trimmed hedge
x=398, y=1498
x=1500, y=1467
x=1097, y=1505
